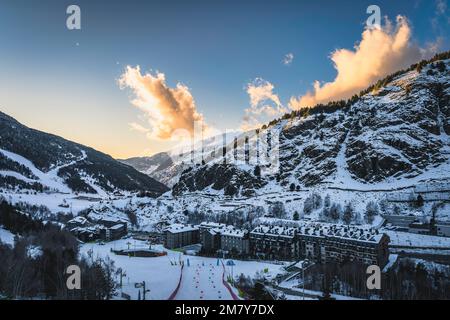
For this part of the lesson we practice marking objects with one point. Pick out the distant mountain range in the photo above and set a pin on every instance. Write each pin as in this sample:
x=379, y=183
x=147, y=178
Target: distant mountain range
x=38, y=161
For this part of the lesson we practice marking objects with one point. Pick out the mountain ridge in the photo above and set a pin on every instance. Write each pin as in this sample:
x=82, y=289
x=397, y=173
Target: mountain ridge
x=62, y=163
x=364, y=160
x=394, y=133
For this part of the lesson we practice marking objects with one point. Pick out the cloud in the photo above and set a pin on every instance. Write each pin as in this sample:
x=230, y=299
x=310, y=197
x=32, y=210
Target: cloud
x=441, y=7
x=137, y=127
x=259, y=91
x=265, y=105
x=288, y=58
x=379, y=53
x=169, y=111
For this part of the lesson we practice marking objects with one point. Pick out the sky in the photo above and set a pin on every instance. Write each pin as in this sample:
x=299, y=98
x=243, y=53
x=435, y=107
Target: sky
x=139, y=70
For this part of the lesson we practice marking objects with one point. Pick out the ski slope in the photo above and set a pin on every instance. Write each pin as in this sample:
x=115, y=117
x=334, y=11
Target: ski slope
x=202, y=281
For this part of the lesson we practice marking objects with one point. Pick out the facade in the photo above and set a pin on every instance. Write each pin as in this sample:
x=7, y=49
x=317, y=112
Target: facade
x=106, y=229
x=320, y=242
x=274, y=242
x=76, y=222
x=402, y=221
x=113, y=228
x=419, y=228
x=110, y=222
x=116, y=232
x=443, y=229
x=210, y=240
x=339, y=243
x=87, y=234
x=218, y=236
x=179, y=235
x=234, y=240
x=209, y=237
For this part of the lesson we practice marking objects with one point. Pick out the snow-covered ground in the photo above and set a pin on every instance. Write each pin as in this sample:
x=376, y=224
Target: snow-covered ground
x=407, y=239
x=309, y=294
x=6, y=236
x=202, y=279
x=49, y=179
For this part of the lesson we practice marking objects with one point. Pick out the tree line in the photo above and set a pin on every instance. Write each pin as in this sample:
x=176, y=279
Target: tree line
x=35, y=266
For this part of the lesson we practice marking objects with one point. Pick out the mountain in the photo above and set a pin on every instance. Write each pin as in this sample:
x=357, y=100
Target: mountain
x=394, y=134
x=35, y=160
x=167, y=166
x=157, y=166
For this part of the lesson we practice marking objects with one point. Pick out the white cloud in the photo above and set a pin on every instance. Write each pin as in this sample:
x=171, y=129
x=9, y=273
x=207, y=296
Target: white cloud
x=379, y=53
x=169, y=111
x=139, y=128
x=441, y=7
x=288, y=58
x=265, y=105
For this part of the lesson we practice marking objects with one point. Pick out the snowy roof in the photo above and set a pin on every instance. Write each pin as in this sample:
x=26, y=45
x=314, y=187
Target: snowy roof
x=177, y=228
x=275, y=230
x=230, y=231
x=91, y=229
x=79, y=219
x=117, y=226
x=111, y=219
x=318, y=229
x=340, y=231
x=211, y=225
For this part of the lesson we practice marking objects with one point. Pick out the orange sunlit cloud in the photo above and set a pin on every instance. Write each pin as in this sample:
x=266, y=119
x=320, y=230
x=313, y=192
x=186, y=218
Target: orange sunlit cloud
x=381, y=51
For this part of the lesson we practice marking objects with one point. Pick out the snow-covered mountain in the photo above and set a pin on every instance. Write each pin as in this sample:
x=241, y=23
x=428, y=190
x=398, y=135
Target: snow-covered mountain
x=395, y=134
x=167, y=167
x=41, y=162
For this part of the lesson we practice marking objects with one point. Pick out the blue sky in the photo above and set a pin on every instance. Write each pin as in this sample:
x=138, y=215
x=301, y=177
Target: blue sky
x=65, y=82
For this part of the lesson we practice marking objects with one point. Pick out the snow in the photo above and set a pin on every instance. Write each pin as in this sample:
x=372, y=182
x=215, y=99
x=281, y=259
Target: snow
x=161, y=274
x=50, y=178
x=34, y=252
x=177, y=228
x=391, y=261
x=6, y=236
x=406, y=239
x=202, y=281
x=309, y=294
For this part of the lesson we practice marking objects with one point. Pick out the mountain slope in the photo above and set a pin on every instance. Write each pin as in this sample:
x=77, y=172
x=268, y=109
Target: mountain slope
x=167, y=166
x=31, y=159
x=155, y=166
x=394, y=135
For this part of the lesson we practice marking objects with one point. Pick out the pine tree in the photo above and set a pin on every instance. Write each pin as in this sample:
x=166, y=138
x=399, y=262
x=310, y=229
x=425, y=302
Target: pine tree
x=257, y=171
x=348, y=214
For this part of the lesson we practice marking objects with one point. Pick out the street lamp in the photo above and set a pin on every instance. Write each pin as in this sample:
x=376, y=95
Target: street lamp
x=306, y=264
x=141, y=285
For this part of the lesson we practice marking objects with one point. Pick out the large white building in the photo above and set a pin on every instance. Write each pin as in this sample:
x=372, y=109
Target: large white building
x=321, y=242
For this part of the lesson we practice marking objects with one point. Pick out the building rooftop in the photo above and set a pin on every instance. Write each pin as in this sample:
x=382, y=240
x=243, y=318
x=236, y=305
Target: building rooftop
x=318, y=229
x=212, y=225
x=117, y=227
x=275, y=230
x=230, y=231
x=111, y=219
x=340, y=231
x=78, y=219
x=177, y=228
